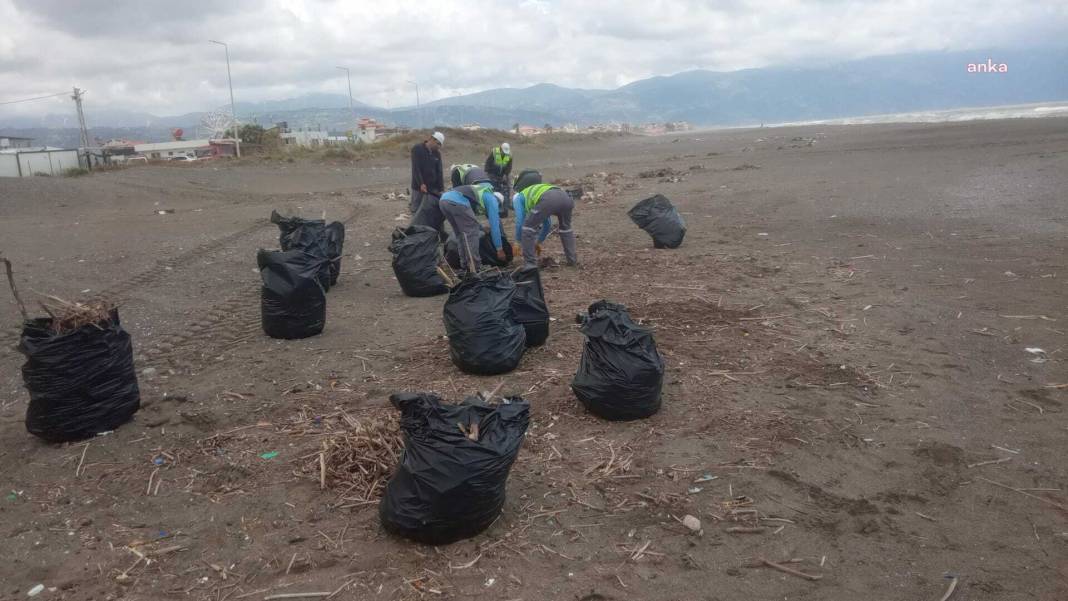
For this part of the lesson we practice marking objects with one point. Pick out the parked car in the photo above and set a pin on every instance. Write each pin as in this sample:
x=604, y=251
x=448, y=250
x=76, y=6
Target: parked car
x=183, y=158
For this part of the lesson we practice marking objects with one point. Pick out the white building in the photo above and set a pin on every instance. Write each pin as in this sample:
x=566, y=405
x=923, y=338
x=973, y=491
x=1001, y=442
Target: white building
x=310, y=138
x=14, y=142
x=168, y=150
x=27, y=162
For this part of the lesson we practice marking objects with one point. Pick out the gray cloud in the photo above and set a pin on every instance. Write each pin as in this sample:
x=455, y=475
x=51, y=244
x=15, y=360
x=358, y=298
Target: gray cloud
x=154, y=56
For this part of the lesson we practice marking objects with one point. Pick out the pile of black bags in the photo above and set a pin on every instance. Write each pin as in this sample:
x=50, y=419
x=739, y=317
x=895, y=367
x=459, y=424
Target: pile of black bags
x=450, y=483
x=316, y=237
x=293, y=299
x=661, y=220
x=484, y=337
x=621, y=373
x=81, y=382
x=529, y=307
x=486, y=252
x=415, y=261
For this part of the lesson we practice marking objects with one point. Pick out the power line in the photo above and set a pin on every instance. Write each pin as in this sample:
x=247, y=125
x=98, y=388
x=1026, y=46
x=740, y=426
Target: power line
x=31, y=99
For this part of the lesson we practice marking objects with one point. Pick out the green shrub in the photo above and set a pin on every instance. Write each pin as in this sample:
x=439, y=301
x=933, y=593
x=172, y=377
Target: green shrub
x=75, y=172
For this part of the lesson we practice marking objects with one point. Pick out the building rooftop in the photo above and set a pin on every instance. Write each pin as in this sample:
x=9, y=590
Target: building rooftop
x=179, y=145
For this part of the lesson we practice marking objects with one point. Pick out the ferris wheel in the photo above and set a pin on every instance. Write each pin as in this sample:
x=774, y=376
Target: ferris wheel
x=215, y=123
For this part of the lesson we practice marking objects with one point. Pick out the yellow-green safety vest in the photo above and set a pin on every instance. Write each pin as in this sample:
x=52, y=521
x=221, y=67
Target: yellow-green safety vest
x=501, y=159
x=480, y=191
x=532, y=194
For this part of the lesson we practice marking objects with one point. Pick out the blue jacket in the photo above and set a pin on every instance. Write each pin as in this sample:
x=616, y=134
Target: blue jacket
x=519, y=205
x=487, y=202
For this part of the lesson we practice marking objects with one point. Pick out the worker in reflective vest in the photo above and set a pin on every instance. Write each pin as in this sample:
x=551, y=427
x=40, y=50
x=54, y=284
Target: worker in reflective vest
x=460, y=206
x=467, y=175
x=534, y=206
x=499, y=162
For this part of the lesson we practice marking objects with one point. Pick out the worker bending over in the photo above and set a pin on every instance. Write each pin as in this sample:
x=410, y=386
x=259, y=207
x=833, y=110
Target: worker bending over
x=468, y=175
x=460, y=207
x=533, y=208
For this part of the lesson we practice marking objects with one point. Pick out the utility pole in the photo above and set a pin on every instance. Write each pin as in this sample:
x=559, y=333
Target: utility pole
x=233, y=108
x=418, y=109
x=77, y=96
x=348, y=77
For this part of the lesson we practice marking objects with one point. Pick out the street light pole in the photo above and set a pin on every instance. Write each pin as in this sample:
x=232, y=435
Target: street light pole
x=418, y=109
x=233, y=108
x=352, y=112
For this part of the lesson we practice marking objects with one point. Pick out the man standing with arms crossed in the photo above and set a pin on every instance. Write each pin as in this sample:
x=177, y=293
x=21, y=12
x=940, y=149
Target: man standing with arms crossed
x=428, y=177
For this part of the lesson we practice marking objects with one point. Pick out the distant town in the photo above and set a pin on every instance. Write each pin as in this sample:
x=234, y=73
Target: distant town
x=21, y=157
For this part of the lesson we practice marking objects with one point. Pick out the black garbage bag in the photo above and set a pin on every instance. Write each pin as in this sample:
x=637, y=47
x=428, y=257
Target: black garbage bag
x=661, y=220
x=447, y=486
x=415, y=261
x=292, y=300
x=529, y=305
x=308, y=235
x=621, y=373
x=82, y=382
x=484, y=337
x=486, y=251
x=526, y=179
x=335, y=245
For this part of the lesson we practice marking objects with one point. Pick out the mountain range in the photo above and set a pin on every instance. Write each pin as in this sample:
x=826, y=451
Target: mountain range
x=878, y=85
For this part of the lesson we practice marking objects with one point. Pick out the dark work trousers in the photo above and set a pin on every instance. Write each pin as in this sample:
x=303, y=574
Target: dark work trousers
x=464, y=225
x=416, y=200
x=553, y=202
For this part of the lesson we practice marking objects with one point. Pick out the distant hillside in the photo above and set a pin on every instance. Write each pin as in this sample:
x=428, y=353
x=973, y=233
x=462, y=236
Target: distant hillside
x=888, y=84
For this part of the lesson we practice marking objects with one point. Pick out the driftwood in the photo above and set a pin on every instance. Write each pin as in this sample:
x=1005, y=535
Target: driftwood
x=14, y=289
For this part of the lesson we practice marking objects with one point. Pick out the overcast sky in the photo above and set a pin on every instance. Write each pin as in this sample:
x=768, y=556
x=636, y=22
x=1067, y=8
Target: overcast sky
x=154, y=55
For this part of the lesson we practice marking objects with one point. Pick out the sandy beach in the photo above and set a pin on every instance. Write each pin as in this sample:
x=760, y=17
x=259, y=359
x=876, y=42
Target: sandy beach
x=847, y=393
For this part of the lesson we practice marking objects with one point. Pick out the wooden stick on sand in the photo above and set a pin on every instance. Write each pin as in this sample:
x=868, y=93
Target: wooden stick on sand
x=789, y=570
x=14, y=290
x=470, y=257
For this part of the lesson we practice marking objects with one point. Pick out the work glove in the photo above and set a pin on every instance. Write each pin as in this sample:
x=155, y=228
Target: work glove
x=537, y=249
x=517, y=250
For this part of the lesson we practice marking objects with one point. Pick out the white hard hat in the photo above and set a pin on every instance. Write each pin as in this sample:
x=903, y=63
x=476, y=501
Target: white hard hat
x=506, y=149
x=440, y=137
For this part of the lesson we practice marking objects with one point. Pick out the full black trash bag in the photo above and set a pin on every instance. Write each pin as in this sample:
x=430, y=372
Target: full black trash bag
x=529, y=306
x=309, y=235
x=661, y=220
x=484, y=337
x=81, y=383
x=621, y=373
x=292, y=300
x=486, y=252
x=335, y=245
x=526, y=179
x=447, y=486
x=415, y=261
